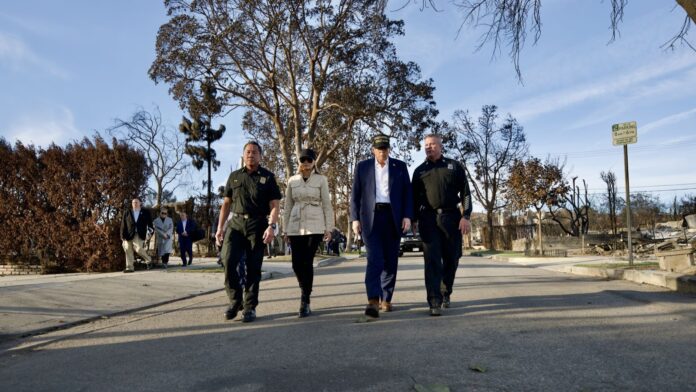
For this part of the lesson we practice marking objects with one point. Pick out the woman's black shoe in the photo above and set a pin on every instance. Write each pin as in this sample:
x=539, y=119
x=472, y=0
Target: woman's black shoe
x=249, y=316
x=231, y=312
x=305, y=311
x=446, y=301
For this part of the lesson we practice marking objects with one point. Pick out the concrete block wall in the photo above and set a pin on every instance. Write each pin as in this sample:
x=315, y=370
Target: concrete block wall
x=564, y=242
x=523, y=244
x=20, y=269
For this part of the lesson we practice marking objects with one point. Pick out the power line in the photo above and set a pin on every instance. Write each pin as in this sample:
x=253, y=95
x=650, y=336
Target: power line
x=620, y=190
x=657, y=186
x=639, y=149
x=645, y=186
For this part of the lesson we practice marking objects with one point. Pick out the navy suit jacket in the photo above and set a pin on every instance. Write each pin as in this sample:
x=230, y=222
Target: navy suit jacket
x=362, y=201
x=190, y=228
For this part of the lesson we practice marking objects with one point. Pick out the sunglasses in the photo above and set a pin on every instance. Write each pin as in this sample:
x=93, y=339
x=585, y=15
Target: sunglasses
x=306, y=160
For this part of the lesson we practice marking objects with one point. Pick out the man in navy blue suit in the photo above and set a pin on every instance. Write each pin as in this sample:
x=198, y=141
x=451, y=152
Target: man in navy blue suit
x=185, y=228
x=381, y=210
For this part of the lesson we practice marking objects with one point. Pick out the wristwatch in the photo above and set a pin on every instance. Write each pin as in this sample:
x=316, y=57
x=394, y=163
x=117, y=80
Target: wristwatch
x=273, y=226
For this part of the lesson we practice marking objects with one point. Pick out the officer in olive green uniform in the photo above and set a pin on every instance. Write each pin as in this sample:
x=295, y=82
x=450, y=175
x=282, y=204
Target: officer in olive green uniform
x=439, y=186
x=251, y=196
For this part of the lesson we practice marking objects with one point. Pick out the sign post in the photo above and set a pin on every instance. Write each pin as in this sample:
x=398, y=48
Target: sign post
x=625, y=134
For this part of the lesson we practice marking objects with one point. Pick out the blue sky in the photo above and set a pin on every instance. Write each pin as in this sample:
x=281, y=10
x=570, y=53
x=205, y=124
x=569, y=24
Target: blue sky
x=68, y=69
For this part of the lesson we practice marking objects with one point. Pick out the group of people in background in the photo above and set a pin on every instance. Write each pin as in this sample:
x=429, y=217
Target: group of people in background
x=385, y=203
x=136, y=227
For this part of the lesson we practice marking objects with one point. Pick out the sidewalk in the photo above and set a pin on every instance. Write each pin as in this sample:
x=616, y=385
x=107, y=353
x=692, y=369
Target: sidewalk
x=33, y=304
x=571, y=265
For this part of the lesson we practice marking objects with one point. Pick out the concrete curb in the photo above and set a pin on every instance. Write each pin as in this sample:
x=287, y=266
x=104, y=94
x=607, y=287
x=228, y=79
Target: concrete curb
x=40, y=331
x=331, y=261
x=87, y=320
x=670, y=280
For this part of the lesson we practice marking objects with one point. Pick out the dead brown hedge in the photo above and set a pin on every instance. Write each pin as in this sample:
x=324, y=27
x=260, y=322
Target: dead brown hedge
x=63, y=204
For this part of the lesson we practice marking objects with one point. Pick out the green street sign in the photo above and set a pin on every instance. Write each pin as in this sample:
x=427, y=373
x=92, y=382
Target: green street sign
x=624, y=133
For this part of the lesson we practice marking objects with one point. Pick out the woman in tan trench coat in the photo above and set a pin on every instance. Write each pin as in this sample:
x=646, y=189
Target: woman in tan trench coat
x=308, y=219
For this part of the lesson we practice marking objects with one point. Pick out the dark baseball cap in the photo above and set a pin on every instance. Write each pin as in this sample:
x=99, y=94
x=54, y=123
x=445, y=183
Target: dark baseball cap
x=380, y=141
x=308, y=153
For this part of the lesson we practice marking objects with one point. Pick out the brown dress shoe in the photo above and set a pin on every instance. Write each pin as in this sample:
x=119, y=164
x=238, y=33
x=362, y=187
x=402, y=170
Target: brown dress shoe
x=386, y=306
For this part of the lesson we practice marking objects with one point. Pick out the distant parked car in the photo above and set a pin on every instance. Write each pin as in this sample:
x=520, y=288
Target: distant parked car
x=410, y=242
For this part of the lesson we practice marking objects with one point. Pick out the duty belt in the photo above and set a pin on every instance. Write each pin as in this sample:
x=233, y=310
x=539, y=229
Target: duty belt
x=246, y=216
x=441, y=210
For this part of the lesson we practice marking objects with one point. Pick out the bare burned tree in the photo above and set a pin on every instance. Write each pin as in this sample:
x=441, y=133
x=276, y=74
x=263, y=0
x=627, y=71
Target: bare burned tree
x=488, y=151
x=610, y=179
x=571, y=210
x=508, y=22
x=687, y=205
x=162, y=147
x=680, y=36
x=646, y=210
x=690, y=8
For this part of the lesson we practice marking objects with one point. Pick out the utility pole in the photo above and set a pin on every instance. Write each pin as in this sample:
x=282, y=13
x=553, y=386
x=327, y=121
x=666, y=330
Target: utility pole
x=625, y=134
x=628, y=207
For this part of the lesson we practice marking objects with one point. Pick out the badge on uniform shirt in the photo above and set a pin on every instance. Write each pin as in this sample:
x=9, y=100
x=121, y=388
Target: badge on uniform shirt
x=450, y=166
x=262, y=180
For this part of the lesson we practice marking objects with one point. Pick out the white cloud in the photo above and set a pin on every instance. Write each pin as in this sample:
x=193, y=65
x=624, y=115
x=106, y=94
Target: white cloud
x=45, y=127
x=572, y=95
x=18, y=56
x=14, y=50
x=676, y=87
x=666, y=121
x=585, y=69
x=36, y=26
x=679, y=140
x=431, y=37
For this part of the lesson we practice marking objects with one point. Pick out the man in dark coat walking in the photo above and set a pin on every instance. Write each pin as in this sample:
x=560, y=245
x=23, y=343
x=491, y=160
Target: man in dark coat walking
x=135, y=225
x=381, y=210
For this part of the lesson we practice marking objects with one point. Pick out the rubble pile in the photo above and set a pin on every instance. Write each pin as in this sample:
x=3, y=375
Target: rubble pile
x=666, y=238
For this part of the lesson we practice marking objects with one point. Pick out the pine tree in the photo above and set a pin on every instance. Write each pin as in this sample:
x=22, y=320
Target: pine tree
x=200, y=135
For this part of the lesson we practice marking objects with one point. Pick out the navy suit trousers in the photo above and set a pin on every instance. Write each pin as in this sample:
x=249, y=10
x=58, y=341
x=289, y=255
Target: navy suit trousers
x=186, y=248
x=382, y=256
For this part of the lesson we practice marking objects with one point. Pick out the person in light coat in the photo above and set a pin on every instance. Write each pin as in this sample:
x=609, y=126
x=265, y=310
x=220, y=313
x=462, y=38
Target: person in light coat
x=164, y=230
x=309, y=219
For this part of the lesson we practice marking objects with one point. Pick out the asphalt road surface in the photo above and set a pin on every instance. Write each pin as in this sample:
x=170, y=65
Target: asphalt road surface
x=511, y=328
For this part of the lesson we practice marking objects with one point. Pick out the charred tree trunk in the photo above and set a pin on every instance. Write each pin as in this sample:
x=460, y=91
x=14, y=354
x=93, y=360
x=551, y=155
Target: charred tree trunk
x=491, y=236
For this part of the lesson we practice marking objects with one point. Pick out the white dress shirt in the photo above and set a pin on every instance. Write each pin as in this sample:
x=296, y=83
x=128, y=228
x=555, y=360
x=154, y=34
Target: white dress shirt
x=136, y=214
x=382, y=182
